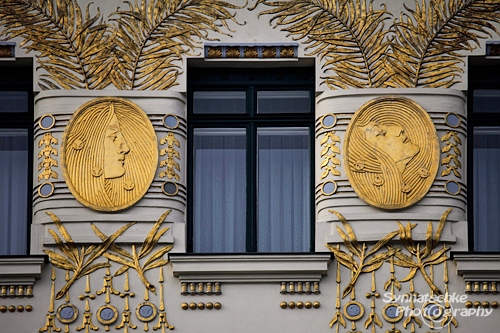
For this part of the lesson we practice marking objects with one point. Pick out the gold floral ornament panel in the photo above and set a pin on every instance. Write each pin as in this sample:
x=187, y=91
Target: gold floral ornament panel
x=109, y=154
x=392, y=152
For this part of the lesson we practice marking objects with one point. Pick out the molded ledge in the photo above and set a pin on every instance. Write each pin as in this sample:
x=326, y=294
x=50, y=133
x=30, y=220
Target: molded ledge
x=367, y=236
x=250, y=267
x=92, y=239
x=21, y=270
x=478, y=266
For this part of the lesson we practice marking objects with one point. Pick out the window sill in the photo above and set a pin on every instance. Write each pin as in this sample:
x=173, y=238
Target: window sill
x=478, y=267
x=250, y=268
x=20, y=270
x=18, y=275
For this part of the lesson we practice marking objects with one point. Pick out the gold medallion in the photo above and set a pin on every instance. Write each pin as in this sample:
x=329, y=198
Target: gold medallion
x=109, y=154
x=392, y=152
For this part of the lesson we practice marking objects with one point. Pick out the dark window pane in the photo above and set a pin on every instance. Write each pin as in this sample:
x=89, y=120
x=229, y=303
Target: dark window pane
x=283, y=190
x=219, y=214
x=486, y=100
x=13, y=101
x=486, y=166
x=283, y=102
x=13, y=191
x=219, y=102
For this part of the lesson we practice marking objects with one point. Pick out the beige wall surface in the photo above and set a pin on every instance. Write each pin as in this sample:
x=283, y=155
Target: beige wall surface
x=128, y=271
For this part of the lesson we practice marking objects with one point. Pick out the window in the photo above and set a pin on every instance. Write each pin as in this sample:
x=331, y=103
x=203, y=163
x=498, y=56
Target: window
x=16, y=127
x=250, y=144
x=484, y=156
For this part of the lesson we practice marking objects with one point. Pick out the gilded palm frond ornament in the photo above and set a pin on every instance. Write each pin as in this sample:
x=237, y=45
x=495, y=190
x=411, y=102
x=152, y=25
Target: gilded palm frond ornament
x=423, y=47
x=368, y=261
x=79, y=260
x=152, y=36
x=348, y=34
x=133, y=259
x=72, y=47
x=422, y=256
x=142, y=50
x=429, y=40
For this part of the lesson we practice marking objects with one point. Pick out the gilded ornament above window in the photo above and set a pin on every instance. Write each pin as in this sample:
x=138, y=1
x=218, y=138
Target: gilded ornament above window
x=361, y=47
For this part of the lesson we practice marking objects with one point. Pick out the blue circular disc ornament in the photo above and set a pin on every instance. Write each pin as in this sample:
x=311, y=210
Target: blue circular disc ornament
x=329, y=187
x=107, y=314
x=329, y=121
x=47, y=122
x=353, y=310
x=452, y=187
x=67, y=312
x=146, y=311
x=46, y=190
x=433, y=310
x=170, y=188
x=170, y=121
x=452, y=119
x=392, y=311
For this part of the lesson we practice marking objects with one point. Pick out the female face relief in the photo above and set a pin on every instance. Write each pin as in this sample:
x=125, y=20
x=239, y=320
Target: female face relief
x=392, y=140
x=115, y=149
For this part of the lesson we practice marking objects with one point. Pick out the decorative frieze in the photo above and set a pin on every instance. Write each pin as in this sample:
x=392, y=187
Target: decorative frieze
x=7, y=50
x=13, y=308
x=300, y=287
x=201, y=306
x=13, y=291
x=300, y=305
x=481, y=287
x=251, y=51
x=201, y=288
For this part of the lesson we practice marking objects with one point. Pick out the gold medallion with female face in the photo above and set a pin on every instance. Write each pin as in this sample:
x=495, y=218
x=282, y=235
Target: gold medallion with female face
x=109, y=154
x=392, y=152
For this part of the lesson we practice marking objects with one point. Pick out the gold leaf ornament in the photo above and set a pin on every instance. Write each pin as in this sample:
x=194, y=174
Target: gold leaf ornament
x=142, y=50
x=420, y=258
x=78, y=260
x=72, y=48
x=348, y=34
x=429, y=37
x=422, y=48
x=151, y=36
x=133, y=259
x=369, y=261
x=338, y=318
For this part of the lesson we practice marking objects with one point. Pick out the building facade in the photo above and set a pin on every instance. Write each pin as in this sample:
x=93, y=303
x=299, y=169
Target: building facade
x=221, y=166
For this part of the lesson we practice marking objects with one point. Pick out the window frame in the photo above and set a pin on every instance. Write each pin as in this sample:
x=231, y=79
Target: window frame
x=250, y=80
x=17, y=75
x=482, y=73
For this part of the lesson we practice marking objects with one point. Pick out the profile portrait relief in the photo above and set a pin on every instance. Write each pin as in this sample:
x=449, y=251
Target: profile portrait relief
x=392, y=152
x=109, y=153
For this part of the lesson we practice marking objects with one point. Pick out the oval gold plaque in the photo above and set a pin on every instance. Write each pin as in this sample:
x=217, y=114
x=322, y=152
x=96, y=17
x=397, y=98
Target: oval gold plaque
x=109, y=154
x=392, y=152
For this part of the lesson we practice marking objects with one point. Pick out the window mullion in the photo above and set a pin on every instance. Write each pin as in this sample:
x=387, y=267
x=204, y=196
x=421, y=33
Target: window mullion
x=251, y=188
x=251, y=173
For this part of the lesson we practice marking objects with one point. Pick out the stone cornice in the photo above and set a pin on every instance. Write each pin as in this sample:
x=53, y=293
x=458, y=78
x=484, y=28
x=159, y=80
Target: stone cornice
x=250, y=267
x=478, y=266
x=21, y=270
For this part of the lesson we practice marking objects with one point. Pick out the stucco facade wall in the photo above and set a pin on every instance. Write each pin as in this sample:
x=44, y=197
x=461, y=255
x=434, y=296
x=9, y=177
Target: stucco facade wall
x=365, y=257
